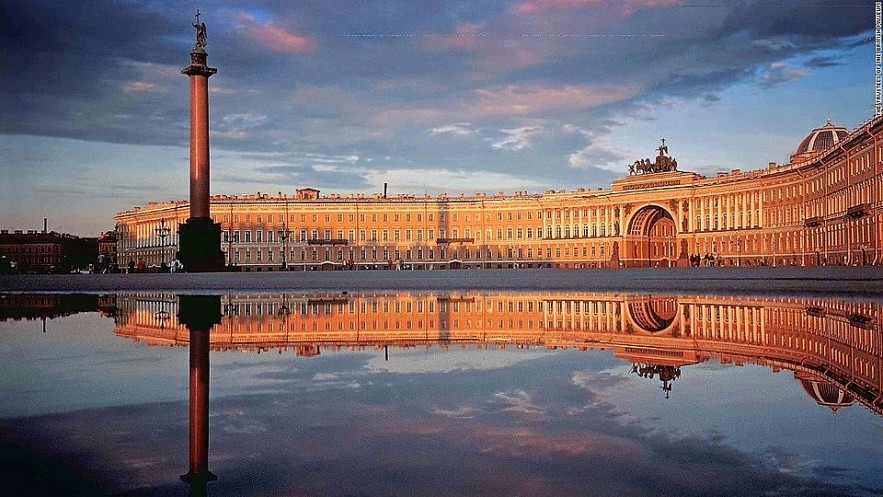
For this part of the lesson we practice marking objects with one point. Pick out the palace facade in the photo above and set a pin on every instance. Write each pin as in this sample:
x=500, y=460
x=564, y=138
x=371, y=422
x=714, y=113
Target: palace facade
x=822, y=208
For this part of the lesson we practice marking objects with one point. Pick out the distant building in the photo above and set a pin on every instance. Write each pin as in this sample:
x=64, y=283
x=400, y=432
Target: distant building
x=107, y=245
x=45, y=252
x=822, y=208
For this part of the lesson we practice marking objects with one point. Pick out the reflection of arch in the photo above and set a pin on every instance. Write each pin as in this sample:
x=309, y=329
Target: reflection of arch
x=652, y=314
x=650, y=238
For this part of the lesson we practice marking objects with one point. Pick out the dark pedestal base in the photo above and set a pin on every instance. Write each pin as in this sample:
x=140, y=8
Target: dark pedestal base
x=200, y=245
x=199, y=312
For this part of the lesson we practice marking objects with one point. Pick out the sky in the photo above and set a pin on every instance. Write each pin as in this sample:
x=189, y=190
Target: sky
x=427, y=96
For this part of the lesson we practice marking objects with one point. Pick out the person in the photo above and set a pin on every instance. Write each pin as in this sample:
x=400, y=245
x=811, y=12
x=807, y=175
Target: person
x=102, y=263
x=141, y=266
x=176, y=266
x=130, y=266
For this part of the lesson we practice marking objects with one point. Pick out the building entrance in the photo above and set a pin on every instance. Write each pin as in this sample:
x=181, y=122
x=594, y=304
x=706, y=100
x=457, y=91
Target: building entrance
x=651, y=239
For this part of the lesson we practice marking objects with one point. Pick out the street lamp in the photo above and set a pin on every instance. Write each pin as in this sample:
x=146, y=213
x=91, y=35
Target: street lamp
x=162, y=232
x=738, y=252
x=284, y=234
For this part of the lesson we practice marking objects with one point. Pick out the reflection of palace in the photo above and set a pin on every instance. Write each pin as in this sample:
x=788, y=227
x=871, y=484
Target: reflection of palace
x=833, y=347
x=823, y=207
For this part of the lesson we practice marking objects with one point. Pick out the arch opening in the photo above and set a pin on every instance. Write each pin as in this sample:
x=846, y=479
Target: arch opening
x=651, y=239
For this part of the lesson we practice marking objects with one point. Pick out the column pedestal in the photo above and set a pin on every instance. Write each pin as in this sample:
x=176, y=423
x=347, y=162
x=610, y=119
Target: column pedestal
x=200, y=245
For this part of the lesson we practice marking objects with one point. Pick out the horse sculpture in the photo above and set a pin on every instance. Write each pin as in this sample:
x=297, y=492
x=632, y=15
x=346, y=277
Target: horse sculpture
x=662, y=163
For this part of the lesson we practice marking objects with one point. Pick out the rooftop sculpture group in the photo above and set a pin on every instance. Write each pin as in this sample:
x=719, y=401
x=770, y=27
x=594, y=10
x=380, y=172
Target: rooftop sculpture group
x=663, y=163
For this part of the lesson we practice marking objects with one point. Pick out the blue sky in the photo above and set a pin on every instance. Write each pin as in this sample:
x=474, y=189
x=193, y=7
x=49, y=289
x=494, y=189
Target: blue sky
x=427, y=96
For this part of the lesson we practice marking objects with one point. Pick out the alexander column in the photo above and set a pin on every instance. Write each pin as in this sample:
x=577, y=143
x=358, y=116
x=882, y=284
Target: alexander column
x=200, y=236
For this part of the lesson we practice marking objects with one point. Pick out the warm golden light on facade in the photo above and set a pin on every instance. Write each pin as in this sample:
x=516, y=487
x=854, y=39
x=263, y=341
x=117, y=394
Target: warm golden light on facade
x=823, y=210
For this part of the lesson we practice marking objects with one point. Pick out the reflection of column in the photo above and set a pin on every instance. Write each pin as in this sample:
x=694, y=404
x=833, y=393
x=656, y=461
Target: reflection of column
x=199, y=313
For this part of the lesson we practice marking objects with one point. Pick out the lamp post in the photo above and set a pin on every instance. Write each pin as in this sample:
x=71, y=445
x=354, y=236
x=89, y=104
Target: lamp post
x=228, y=238
x=738, y=252
x=162, y=232
x=284, y=234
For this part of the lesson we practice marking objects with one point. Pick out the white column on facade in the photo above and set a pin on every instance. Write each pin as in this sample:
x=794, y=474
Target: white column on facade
x=554, y=223
x=761, y=221
x=730, y=215
x=692, y=215
x=739, y=203
x=543, y=215
x=702, y=214
x=581, y=221
x=608, y=222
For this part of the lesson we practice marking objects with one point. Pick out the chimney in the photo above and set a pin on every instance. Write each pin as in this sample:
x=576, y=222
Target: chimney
x=45, y=224
x=384, y=190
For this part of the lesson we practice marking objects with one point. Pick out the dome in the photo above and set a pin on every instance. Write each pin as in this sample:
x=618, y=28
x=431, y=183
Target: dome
x=817, y=141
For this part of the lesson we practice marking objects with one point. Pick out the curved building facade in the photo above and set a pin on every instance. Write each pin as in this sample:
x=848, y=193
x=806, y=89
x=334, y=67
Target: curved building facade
x=822, y=208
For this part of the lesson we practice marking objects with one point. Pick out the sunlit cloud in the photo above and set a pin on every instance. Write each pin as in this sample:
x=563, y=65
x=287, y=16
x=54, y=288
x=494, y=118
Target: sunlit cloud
x=624, y=8
x=274, y=37
x=522, y=100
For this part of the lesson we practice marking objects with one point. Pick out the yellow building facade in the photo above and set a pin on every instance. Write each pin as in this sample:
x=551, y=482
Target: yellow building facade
x=822, y=208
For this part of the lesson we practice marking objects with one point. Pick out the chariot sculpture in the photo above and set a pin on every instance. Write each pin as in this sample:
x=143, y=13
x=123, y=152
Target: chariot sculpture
x=663, y=163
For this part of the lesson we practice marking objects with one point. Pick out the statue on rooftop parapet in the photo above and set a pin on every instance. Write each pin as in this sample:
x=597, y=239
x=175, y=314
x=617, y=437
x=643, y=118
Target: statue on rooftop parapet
x=663, y=163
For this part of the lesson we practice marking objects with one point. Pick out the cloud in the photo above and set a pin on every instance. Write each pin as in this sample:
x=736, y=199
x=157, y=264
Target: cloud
x=537, y=99
x=457, y=129
x=139, y=86
x=623, y=8
x=517, y=139
x=780, y=73
x=274, y=37
x=599, y=153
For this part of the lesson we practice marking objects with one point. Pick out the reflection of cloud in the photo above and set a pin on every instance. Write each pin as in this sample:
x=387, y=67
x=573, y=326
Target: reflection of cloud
x=518, y=401
x=462, y=412
x=234, y=418
x=445, y=361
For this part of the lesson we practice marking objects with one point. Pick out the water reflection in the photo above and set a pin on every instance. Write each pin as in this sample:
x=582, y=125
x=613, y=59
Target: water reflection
x=199, y=313
x=832, y=347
